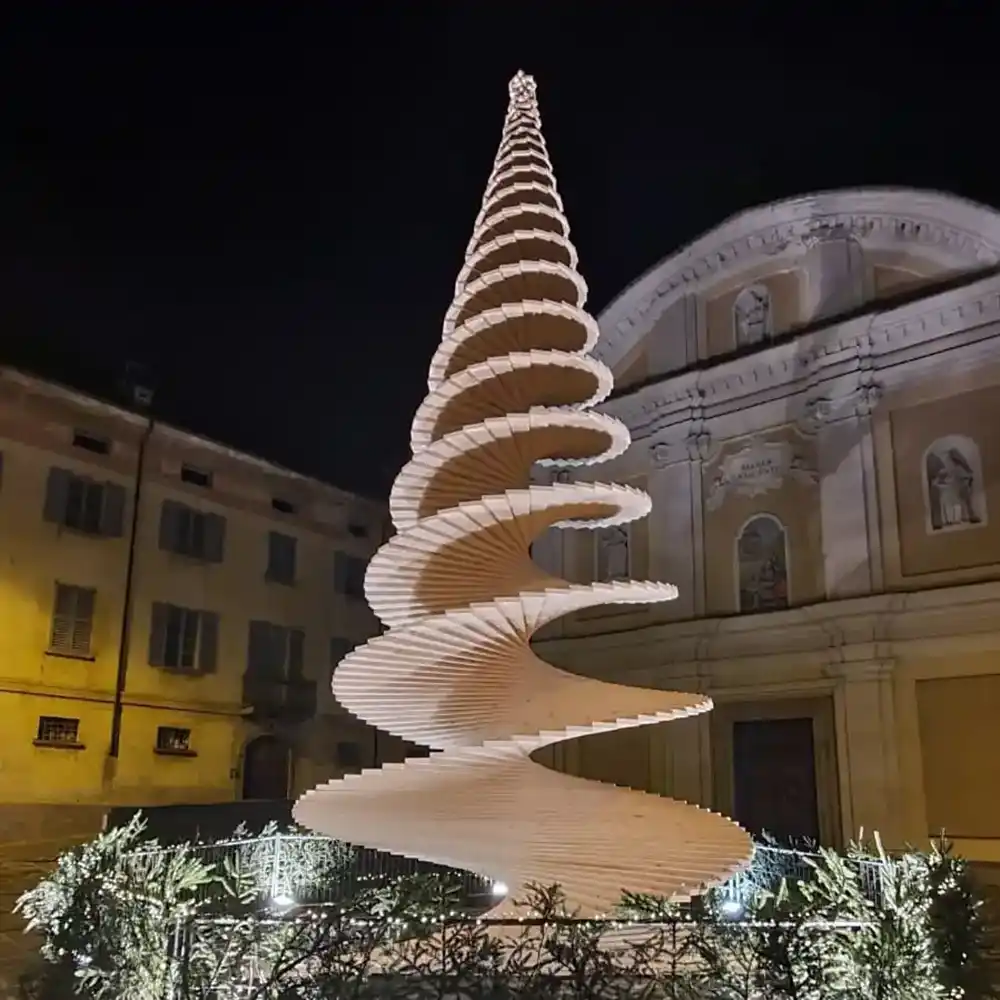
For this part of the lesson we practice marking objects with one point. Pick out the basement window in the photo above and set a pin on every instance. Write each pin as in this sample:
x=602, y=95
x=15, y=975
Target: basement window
x=55, y=731
x=174, y=740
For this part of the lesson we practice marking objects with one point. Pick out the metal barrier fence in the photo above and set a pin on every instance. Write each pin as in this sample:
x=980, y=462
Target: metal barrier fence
x=310, y=870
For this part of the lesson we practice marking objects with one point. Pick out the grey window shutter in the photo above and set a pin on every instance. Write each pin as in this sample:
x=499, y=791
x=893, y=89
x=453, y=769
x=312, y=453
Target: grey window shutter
x=168, y=526
x=83, y=622
x=113, y=510
x=258, y=648
x=296, y=654
x=56, y=492
x=208, y=642
x=215, y=538
x=158, y=634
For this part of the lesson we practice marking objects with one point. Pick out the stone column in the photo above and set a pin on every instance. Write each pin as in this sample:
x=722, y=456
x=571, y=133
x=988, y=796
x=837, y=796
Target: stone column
x=867, y=753
x=676, y=525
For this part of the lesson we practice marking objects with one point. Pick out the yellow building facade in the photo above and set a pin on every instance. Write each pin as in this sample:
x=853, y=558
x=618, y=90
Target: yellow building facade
x=813, y=391
x=171, y=611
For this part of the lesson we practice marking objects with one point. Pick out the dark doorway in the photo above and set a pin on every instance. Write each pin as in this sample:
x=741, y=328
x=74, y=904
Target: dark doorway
x=266, y=767
x=774, y=779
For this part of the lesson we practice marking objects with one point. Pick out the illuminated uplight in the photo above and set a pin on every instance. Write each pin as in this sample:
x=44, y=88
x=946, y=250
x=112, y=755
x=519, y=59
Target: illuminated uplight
x=500, y=889
x=283, y=899
x=732, y=908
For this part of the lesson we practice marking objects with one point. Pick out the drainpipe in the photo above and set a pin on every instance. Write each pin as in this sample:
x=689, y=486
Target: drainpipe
x=126, y=624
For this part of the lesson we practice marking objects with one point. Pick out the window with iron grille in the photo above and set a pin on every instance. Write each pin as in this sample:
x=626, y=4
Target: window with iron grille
x=56, y=731
x=183, y=639
x=173, y=739
x=72, y=620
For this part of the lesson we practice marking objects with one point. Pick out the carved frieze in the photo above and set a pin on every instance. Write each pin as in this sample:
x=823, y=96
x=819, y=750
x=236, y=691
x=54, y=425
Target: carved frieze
x=759, y=468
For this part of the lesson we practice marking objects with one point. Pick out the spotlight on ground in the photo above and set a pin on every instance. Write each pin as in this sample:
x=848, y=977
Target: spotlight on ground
x=500, y=889
x=283, y=899
x=732, y=908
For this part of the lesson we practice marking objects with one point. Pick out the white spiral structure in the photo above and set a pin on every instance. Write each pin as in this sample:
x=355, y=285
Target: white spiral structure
x=510, y=386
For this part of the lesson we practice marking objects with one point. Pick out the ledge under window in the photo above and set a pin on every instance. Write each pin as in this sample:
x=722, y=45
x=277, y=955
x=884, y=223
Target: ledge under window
x=166, y=752
x=58, y=745
x=63, y=654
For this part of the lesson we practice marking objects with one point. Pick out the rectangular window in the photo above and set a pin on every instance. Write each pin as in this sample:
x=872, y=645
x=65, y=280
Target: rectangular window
x=275, y=652
x=193, y=533
x=183, y=639
x=54, y=731
x=357, y=530
x=281, y=555
x=196, y=477
x=349, y=574
x=173, y=739
x=72, y=620
x=91, y=442
x=282, y=506
x=83, y=504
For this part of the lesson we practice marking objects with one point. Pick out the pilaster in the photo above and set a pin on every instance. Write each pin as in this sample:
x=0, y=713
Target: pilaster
x=676, y=528
x=849, y=513
x=867, y=755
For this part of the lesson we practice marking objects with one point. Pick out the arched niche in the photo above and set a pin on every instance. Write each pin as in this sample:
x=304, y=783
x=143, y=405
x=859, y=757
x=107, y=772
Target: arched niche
x=952, y=479
x=761, y=565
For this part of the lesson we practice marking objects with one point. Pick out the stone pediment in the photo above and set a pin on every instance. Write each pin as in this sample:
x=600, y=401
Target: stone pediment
x=960, y=235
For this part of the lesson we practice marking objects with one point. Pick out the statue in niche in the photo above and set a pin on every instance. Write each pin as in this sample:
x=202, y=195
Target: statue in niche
x=953, y=484
x=752, y=315
x=762, y=565
x=612, y=554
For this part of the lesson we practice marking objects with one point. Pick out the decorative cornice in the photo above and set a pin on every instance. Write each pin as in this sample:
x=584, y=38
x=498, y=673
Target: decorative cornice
x=959, y=233
x=842, y=370
x=836, y=635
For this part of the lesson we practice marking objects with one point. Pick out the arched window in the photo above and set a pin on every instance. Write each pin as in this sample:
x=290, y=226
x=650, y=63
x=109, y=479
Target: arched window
x=752, y=315
x=952, y=477
x=762, y=564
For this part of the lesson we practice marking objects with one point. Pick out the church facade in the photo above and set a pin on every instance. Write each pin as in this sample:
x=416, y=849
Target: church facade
x=813, y=392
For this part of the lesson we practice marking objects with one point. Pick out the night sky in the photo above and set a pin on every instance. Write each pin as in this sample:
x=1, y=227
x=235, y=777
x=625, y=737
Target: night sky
x=268, y=204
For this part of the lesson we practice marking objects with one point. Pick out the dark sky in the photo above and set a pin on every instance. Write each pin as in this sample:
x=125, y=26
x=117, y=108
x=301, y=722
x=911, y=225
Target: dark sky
x=268, y=204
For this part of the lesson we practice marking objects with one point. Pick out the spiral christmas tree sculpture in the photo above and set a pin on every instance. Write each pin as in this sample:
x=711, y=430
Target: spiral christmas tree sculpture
x=510, y=386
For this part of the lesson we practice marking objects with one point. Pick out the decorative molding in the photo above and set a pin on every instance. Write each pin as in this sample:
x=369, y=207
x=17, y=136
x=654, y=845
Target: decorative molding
x=759, y=468
x=864, y=357
x=849, y=671
x=959, y=233
x=804, y=641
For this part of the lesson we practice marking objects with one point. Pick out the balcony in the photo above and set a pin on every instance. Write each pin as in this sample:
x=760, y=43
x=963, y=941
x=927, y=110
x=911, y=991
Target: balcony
x=278, y=699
